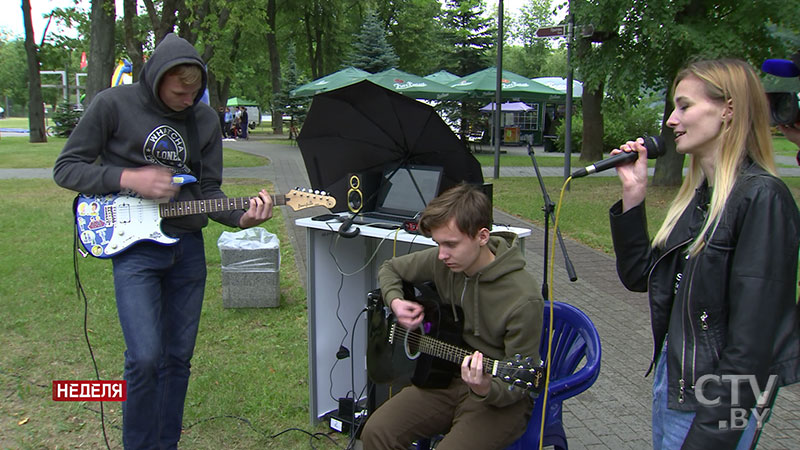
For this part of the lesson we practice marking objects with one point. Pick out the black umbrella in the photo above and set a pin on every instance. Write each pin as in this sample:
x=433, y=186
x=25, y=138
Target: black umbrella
x=364, y=128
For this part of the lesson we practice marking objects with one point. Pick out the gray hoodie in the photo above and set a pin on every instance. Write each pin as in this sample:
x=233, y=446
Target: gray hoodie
x=129, y=126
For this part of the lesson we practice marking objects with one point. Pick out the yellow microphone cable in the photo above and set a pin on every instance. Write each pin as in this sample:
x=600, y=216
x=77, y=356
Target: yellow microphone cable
x=550, y=295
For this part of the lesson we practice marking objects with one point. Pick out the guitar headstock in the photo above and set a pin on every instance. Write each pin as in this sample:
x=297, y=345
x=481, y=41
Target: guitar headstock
x=298, y=199
x=522, y=372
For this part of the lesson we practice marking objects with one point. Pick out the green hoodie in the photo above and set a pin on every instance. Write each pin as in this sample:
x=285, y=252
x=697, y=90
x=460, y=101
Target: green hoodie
x=502, y=304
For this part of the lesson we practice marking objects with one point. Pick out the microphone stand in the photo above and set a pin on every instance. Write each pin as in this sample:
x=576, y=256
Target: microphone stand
x=548, y=209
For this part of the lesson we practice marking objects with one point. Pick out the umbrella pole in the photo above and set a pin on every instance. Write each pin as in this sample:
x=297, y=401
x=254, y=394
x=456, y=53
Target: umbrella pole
x=548, y=209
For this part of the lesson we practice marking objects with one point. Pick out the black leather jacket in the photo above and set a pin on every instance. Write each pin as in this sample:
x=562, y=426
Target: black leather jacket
x=734, y=310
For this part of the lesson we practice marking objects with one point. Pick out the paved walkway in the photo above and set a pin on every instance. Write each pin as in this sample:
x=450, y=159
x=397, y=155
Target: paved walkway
x=615, y=412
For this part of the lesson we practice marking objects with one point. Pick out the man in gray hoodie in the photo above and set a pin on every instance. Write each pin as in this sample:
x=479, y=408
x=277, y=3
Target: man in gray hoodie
x=137, y=137
x=484, y=274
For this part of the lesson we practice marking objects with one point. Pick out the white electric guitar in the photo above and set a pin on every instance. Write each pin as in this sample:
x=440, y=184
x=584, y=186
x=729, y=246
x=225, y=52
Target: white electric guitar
x=109, y=224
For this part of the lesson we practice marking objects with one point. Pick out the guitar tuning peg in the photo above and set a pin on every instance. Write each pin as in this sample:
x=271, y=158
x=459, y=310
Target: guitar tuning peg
x=528, y=359
x=316, y=191
x=297, y=188
x=517, y=356
x=323, y=193
x=510, y=387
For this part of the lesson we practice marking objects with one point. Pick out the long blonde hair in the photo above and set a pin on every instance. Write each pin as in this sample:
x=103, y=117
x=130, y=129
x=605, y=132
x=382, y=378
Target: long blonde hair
x=744, y=133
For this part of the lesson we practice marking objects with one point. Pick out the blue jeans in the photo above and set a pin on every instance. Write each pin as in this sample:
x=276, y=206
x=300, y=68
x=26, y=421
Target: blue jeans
x=671, y=426
x=159, y=292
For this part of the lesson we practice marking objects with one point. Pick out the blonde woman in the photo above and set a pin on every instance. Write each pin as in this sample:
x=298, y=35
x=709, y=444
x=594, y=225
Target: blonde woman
x=722, y=270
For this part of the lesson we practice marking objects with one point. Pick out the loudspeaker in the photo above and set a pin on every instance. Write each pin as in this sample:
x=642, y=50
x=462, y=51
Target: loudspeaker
x=361, y=192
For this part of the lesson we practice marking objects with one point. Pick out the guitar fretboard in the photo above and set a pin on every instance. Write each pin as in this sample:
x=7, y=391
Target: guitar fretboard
x=189, y=207
x=439, y=349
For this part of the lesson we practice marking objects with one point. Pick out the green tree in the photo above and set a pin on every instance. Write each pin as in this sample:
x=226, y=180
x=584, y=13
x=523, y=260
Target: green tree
x=323, y=30
x=642, y=45
x=297, y=108
x=414, y=32
x=469, y=35
x=13, y=76
x=530, y=58
x=371, y=51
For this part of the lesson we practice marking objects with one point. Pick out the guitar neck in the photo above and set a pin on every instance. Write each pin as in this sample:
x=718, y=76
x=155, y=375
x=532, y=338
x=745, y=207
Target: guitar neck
x=189, y=207
x=440, y=349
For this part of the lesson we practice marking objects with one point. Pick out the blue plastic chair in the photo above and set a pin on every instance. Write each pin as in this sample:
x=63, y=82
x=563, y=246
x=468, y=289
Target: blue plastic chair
x=575, y=340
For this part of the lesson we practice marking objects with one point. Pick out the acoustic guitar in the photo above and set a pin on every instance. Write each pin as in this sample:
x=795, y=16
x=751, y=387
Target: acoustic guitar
x=437, y=347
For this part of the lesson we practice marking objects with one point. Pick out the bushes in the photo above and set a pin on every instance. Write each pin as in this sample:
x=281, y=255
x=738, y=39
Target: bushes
x=622, y=121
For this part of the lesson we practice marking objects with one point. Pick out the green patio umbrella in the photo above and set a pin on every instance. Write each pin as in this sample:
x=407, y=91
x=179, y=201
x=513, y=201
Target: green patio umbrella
x=414, y=86
x=236, y=101
x=780, y=84
x=443, y=77
x=344, y=77
x=481, y=85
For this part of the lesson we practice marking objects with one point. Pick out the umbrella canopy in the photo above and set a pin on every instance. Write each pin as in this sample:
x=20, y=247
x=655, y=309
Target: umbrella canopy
x=236, y=101
x=414, y=86
x=780, y=84
x=482, y=84
x=443, y=77
x=560, y=84
x=365, y=128
x=330, y=82
x=508, y=107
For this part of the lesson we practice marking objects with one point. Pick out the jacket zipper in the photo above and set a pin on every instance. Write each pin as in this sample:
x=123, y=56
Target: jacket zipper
x=684, y=313
x=676, y=246
x=682, y=380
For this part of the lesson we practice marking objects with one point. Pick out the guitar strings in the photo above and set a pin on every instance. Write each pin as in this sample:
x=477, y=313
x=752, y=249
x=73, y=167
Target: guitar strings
x=439, y=348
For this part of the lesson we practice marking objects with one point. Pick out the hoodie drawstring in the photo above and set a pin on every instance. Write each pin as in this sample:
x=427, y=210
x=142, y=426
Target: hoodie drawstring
x=475, y=315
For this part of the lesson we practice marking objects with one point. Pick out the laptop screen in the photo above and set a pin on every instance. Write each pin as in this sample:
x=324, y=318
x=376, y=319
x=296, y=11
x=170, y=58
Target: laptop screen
x=409, y=190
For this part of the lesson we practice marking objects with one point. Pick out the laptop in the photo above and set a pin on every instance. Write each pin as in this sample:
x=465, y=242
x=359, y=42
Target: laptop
x=403, y=194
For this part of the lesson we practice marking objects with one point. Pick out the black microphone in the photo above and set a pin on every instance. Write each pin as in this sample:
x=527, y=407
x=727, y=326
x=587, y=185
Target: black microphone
x=655, y=148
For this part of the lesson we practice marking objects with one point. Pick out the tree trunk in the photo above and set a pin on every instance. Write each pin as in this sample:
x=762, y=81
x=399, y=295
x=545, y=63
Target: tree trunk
x=166, y=23
x=312, y=54
x=669, y=168
x=592, y=146
x=132, y=43
x=101, y=48
x=275, y=69
x=35, y=103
